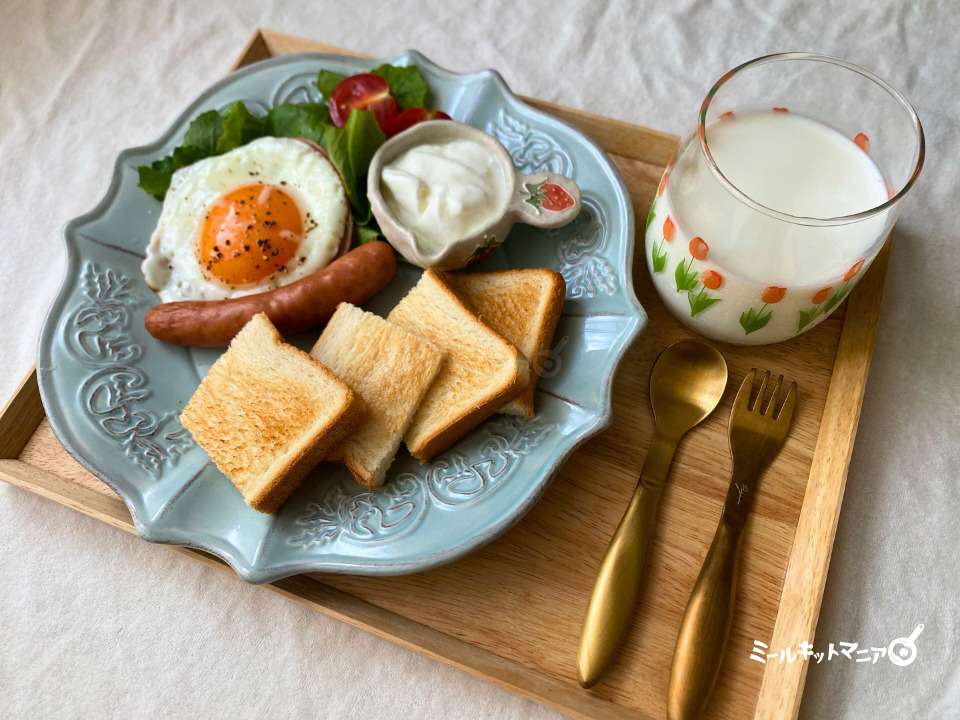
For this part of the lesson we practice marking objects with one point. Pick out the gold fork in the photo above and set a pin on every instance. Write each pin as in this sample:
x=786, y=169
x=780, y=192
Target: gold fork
x=757, y=432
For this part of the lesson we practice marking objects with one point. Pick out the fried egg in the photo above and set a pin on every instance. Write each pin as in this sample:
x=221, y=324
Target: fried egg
x=258, y=217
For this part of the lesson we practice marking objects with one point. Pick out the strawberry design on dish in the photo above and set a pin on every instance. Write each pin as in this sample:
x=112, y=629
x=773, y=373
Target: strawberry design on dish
x=549, y=196
x=483, y=252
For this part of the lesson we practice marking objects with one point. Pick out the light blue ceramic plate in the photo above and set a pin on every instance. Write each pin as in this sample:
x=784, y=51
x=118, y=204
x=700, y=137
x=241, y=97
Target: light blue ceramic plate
x=113, y=394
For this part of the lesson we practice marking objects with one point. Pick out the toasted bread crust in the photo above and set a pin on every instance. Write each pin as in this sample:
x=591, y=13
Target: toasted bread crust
x=456, y=429
x=263, y=439
x=427, y=447
x=360, y=474
x=392, y=369
x=450, y=433
x=549, y=320
x=292, y=473
x=472, y=288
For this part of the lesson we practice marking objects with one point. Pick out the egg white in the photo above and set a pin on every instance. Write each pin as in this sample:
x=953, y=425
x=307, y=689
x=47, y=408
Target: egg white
x=172, y=267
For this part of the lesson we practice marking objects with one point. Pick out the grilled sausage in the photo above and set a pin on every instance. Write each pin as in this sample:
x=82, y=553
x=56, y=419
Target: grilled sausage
x=354, y=277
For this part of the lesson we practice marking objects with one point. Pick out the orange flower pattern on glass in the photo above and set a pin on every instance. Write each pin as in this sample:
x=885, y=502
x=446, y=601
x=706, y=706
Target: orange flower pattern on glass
x=862, y=142
x=780, y=110
x=697, y=285
x=848, y=276
x=711, y=279
x=822, y=294
x=773, y=294
x=726, y=116
x=699, y=248
x=669, y=229
x=826, y=299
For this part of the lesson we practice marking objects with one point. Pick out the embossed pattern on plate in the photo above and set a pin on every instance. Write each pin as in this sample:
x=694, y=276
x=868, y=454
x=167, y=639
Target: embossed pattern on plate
x=116, y=392
x=113, y=394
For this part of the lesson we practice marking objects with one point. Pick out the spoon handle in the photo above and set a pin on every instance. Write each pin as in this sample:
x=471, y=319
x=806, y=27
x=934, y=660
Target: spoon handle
x=611, y=606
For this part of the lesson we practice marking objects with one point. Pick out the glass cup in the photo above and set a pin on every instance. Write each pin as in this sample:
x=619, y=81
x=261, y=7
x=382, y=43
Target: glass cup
x=774, y=207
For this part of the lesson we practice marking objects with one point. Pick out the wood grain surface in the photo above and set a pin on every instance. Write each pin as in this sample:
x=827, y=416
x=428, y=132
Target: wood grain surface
x=511, y=612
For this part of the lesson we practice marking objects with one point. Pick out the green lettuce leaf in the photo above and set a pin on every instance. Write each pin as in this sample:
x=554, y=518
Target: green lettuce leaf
x=327, y=80
x=214, y=133
x=351, y=148
x=155, y=178
x=154, y=181
x=308, y=121
x=407, y=85
x=238, y=127
x=366, y=233
x=204, y=131
x=199, y=141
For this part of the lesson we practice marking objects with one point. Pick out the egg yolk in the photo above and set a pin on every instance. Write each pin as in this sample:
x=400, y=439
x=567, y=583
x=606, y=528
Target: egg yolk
x=249, y=234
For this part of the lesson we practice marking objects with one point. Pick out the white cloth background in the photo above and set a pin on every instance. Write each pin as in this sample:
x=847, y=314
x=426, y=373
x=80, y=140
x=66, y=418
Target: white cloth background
x=94, y=623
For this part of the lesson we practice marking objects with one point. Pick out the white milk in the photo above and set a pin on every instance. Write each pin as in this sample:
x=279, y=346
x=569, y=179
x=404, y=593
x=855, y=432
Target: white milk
x=749, y=277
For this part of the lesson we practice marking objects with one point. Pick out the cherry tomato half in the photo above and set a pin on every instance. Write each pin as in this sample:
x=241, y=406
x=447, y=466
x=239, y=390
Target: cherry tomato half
x=412, y=116
x=365, y=91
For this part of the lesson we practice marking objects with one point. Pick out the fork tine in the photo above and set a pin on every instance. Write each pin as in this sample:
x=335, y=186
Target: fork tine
x=758, y=403
x=786, y=411
x=772, y=402
x=742, y=401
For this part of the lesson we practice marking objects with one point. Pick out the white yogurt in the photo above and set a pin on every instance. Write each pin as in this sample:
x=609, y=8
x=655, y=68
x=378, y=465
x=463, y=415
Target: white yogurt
x=444, y=192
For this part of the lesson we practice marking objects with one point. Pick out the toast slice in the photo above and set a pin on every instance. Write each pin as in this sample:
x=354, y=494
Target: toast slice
x=522, y=305
x=481, y=374
x=267, y=413
x=391, y=369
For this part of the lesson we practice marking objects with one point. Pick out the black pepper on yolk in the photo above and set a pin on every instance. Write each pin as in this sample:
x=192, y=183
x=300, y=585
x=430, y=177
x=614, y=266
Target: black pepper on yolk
x=249, y=234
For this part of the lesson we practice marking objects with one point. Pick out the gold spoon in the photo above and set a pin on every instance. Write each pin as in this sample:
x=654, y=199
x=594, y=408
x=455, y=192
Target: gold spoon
x=685, y=386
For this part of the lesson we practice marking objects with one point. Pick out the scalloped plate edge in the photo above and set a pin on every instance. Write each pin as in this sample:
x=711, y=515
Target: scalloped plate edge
x=225, y=550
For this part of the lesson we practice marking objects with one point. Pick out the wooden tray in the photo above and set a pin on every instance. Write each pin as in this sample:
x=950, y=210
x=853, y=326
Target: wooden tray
x=511, y=612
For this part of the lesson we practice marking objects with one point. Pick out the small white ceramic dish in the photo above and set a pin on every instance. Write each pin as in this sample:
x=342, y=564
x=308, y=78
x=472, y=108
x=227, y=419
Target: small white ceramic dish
x=544, y=199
